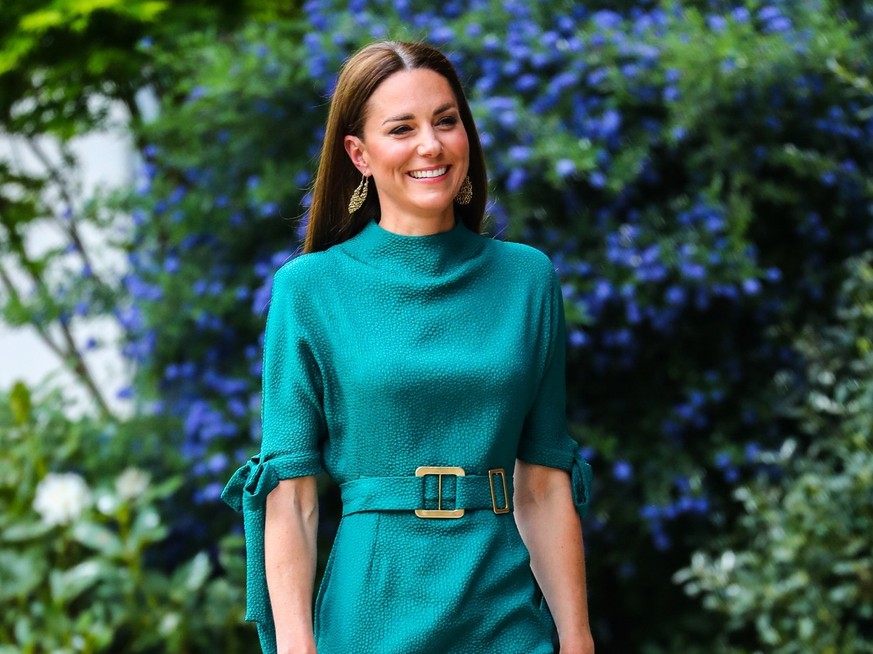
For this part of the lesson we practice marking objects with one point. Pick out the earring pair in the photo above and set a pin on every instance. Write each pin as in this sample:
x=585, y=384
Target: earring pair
x=464, y=196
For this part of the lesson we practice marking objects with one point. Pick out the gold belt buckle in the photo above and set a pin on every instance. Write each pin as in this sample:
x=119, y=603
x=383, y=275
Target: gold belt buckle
x=491, y=475
x=440, y=472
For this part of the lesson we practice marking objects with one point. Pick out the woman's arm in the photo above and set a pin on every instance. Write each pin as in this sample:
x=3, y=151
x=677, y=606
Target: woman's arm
x=289, y=556
x=552, y=532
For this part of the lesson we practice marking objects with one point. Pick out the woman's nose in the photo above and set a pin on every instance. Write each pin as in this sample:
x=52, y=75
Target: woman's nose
x=429, y=145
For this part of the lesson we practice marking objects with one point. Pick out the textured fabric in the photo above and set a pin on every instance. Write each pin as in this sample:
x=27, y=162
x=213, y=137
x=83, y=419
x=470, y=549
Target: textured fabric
x=386, y=353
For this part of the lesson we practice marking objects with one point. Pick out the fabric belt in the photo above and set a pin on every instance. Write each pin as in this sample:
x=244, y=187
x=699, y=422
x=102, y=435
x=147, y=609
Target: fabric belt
x=435, y=492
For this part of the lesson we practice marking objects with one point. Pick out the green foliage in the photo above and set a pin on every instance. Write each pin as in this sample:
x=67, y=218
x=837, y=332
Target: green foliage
x=65, y=66
x=798, y=570
x=81, y=537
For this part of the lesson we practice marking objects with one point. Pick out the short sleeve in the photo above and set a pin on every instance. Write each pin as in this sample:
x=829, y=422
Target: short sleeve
x=293, y=426
x=292, y=408
x=545, y=438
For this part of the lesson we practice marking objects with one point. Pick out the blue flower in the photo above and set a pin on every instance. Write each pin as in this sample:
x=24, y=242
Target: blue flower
x=691, y=270
x=442, y=34
x=650, y=512
x=769, y=13
x=473, y=30
x=752, y=451
x=741, y=15
x=527, y=82
x=217, y=463
x=610, y=122
x=751, y=286
x=565, y=167
x=519, y=153
x=516, y=179
x=606, y=20
x=196, y=93
x=722, y=460
x=597, y=179
x=622, y=470
x=716, y=23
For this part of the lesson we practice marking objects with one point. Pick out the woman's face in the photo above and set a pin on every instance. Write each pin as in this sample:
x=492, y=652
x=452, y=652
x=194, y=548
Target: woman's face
x=414, y=145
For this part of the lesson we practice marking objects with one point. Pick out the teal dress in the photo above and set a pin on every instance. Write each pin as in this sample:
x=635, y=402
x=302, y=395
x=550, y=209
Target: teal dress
x=387, y=353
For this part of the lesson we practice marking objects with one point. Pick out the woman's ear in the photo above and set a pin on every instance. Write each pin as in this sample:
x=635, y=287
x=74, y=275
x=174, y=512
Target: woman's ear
x=357, y=153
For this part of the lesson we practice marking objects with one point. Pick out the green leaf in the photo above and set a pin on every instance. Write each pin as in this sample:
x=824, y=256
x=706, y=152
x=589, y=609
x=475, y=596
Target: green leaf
x=20, y=401
x=21, y=572
x=40, y=21
x=25, y=531
x=147, y=527
x=97, y=538
x=67, y=585
x=198, y=571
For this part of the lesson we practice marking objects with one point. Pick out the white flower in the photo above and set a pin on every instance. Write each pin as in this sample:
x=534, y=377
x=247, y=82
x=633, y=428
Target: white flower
x=107, y=504
x=132, y=483
x=61, y=498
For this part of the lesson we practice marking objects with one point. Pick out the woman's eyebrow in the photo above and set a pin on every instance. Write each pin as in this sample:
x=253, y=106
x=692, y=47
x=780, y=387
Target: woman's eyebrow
x=439, y=110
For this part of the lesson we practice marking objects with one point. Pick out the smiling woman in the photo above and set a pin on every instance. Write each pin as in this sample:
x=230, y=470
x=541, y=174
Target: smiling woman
x=405, y=101
x=417, y=159
x=421, y=365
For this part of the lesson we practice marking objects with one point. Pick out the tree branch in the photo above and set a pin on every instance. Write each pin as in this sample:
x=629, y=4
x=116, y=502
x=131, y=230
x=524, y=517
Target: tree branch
x=69, y=226
x=70, y=355
x=16, y=297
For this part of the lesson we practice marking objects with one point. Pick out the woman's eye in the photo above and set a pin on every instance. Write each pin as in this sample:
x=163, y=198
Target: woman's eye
x=400, y=129
x=448, y=120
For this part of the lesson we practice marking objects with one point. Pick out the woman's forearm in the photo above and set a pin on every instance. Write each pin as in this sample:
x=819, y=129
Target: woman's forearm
x=551, y=530
x=290, y=556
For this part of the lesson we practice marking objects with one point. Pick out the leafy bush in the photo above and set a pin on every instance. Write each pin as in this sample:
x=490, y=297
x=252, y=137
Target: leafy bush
x=81, y=540
x=798, y=571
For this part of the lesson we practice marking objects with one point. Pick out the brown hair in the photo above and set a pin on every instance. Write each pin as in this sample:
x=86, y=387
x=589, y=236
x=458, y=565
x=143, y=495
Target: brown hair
x=329, y=218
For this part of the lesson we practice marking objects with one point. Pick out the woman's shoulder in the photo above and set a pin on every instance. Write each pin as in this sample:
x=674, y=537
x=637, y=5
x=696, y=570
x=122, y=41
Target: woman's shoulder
x=523, y=259
x=303, y=267
x=300, y=276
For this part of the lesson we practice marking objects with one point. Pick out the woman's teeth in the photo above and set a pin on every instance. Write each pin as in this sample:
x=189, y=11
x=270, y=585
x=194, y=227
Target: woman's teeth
x=422, y=174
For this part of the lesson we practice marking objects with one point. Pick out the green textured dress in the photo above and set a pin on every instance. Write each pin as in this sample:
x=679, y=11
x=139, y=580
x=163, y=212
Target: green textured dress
x=386, y=353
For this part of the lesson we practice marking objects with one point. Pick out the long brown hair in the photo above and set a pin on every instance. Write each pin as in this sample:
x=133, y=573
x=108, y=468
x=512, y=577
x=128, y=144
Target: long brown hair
x=329, y=218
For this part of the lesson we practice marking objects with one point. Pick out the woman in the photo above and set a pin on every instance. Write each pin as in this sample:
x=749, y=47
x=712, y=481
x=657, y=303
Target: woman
x=421, y=365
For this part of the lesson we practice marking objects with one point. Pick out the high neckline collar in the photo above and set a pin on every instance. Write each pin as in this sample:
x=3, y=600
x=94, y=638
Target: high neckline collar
x=431, y=254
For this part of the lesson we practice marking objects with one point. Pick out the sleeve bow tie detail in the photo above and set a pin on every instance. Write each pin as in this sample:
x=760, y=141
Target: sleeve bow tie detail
x=247, y=491
x=581, y=479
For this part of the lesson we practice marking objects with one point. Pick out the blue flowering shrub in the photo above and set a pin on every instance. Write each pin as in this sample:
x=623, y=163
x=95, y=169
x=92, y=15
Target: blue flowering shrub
x=84, y=541
x=698, y=173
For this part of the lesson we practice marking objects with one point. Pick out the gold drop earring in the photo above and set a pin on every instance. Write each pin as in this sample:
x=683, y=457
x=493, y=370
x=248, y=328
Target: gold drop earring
x=465, y=193
x=359, y=195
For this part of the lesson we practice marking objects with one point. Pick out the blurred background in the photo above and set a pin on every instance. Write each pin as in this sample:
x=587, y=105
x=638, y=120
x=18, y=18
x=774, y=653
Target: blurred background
x=700, y=172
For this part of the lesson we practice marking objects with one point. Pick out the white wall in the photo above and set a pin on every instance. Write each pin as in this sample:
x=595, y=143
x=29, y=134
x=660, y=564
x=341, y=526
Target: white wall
x=106, y=161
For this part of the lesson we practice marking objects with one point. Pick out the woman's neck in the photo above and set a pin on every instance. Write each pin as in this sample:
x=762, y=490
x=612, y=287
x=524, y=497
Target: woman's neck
x=410, y=225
